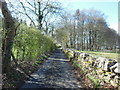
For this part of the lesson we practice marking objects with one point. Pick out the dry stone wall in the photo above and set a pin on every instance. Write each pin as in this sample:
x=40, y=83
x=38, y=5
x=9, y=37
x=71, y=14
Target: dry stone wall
x=103, y=69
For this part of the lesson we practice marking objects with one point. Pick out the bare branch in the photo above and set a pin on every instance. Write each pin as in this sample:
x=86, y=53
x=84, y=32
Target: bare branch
x=45, y=7
x=32, y=10
x=27, y=14
x=35, y=7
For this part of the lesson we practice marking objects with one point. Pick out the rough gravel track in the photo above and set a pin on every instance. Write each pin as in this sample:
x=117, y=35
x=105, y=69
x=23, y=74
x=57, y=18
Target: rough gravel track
x=56, y=72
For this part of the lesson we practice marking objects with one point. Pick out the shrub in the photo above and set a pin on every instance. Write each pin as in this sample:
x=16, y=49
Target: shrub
x=30, y=44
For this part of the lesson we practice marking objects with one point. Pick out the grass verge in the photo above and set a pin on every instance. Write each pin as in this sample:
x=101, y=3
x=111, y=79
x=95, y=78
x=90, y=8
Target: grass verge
x=103, y=54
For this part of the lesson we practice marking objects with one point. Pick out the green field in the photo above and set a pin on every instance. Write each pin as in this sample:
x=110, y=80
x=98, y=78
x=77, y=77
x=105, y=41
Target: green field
x=104, y=54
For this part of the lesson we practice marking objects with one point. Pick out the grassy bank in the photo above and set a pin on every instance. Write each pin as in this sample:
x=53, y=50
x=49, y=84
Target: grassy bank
x=90, y=80
x=17, y=76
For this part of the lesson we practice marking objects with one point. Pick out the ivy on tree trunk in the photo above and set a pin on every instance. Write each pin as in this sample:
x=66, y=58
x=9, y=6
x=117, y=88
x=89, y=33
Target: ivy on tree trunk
x=9, y=38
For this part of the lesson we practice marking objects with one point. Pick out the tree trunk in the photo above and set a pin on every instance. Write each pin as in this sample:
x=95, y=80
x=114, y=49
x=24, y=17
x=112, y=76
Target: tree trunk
x=40, y=16
x=90, y=41
x=74, y=36
x=9, y=38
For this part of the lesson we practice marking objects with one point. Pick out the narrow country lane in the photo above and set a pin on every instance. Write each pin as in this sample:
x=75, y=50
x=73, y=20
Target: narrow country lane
x=56, y=72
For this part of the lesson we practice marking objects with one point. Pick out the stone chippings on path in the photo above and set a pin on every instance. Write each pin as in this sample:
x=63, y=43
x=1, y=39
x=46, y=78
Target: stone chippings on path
x=56, y=72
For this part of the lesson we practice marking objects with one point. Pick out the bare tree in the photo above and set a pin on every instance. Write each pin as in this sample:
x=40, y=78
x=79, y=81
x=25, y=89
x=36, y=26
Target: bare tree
x=88, y=30
x=41, y=9
x=80, y=17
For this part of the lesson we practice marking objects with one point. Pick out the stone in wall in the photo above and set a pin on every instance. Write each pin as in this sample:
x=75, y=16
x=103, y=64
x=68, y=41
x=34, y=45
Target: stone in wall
x=77, y=54
x=109, y=63
x=108, y=70
x=115, y=81
x=70, y=53
x=96, y=64
x=115, y=68
x=84, y=55
x=101, y=62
